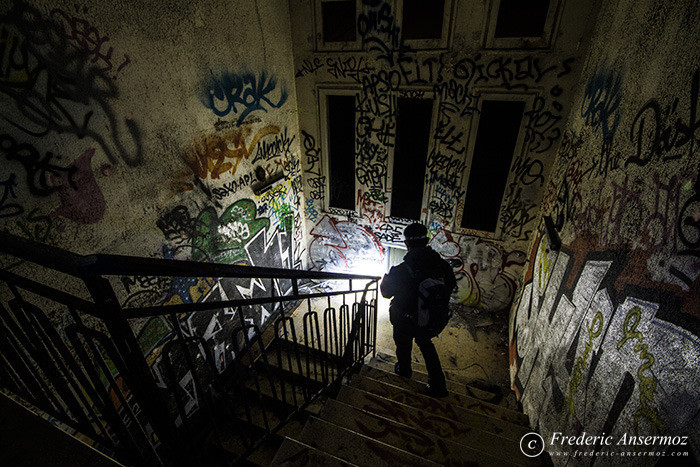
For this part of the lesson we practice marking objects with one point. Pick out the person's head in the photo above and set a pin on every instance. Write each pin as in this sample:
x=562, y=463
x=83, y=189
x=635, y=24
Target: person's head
x=415, y=236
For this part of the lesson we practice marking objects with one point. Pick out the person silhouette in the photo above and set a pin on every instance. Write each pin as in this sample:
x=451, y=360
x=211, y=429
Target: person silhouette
x=401, y=284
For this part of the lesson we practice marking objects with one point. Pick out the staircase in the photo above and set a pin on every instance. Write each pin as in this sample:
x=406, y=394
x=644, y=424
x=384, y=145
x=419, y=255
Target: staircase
x=380, y=418
x=276, y=392
x=70, y=347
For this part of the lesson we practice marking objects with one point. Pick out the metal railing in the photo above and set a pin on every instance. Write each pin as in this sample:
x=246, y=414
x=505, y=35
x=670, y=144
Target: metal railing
x=156, y=383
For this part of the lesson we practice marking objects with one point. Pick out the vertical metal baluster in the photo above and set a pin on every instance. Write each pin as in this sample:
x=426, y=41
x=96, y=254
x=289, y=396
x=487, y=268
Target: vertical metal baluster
x=143, y=386
x=318, y=359
x=307, y=351
x=278, y=340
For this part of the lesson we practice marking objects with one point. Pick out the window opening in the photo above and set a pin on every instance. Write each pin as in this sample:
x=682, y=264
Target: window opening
x=339, y=21
x=341, y=151
x=414, y=117
x=422, y=20
x=496, y=138
x=518, y=18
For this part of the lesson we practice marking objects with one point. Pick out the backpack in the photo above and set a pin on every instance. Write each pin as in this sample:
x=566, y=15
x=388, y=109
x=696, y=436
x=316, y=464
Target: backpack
x=433, y=311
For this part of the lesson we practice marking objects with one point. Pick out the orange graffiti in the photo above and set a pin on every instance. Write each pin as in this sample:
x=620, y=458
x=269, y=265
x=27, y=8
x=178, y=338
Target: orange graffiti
x=214, y=155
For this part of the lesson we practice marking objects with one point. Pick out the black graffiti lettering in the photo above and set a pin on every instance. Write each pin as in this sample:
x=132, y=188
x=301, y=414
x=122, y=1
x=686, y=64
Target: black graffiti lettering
x=9, y=209
x=233, y=186
x=541, y=130
x=511, y=73
x=382, y=82
x=656, y=138
x=601, y=101
x=566, y=65
x=376, y=104
x=38, y=170
x=308, y=67
x=567, y=205
x=689, y=223
x=422, y=72
x=372, y=175
x=606, y=161
x=529, y=171
x=449, y=181
x=58, y=88
x=312, y=154
x=177, y=224
x=441, y=162
x=280, y=146
x=516, y=214
x=446, y=136
x=384, y=132
x=351, y=67
x=441, y=208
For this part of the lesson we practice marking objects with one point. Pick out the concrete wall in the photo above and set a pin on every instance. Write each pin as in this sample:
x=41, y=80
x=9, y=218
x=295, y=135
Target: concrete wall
x=457, y=77
x=137, y=128
x=605, y=335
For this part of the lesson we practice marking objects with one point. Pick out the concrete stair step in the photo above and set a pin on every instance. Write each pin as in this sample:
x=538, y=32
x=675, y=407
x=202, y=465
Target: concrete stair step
x=278, y=393
x=295, y=453
x=478, y=389
x=441, y=407
x=461, y=400
x=421, y=376
x=309, y=363
x=354, y=447
x=257, y=420
x=442, y=427
x=407, y=438
x=232, y=441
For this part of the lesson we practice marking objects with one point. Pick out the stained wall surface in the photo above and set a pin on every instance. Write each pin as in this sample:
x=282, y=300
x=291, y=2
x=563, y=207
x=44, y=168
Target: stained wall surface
x=605, y=334
x=456, y=75
x=142, y=128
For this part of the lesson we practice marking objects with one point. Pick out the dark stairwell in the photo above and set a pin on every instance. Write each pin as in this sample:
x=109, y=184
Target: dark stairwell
x=551, y=151
x=308, y=388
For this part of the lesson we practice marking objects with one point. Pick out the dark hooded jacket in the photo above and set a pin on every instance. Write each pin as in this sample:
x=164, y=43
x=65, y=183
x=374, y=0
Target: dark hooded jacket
x=400, y=284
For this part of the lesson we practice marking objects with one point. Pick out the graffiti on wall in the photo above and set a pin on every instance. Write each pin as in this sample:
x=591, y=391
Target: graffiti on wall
x=213, y=155
x=210, y=236
x=457, y=83
x=80, y=196
x=343, y=246
x=314, y=177
x=486, y=274
x=83, y=35
x=542, y=124
x=654, y=211
x=81, y=199
x=581, y=329
x=352, y=68
x=242, y=94
x=8, y=208
x=238, y=234
x=51, y=87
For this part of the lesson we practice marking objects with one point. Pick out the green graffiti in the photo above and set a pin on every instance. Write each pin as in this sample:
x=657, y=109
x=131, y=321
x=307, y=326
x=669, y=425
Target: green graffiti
x=647, y=384
x=595, y=327
x=222, y=238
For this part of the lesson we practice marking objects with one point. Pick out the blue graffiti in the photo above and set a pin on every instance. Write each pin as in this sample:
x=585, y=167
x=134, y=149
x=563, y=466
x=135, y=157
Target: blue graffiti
x=242, y=94
x=601, y=101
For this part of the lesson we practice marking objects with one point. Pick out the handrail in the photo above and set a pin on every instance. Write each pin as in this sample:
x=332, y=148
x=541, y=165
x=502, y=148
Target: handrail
x=45, y=255
x=106, y=264
x=131, y=265
x=347, y=358
x=97, y=344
